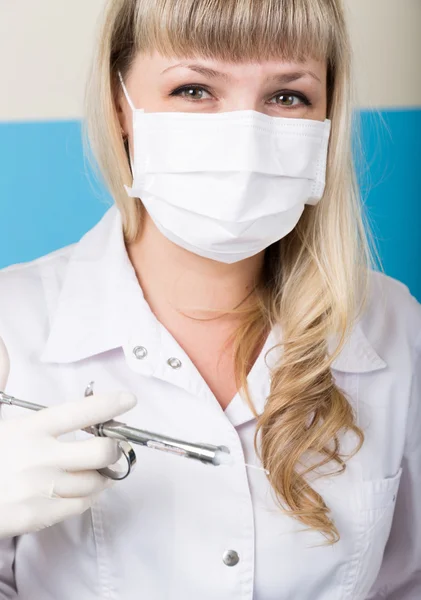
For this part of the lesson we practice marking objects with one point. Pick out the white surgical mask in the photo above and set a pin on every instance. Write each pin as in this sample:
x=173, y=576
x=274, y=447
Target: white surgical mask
x=226, y=185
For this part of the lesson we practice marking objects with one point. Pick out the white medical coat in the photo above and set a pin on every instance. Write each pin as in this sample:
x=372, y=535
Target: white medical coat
x=76, y=315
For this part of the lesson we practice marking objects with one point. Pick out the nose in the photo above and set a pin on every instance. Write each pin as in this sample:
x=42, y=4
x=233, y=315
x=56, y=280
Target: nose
x=242, y=104
x=244, y=96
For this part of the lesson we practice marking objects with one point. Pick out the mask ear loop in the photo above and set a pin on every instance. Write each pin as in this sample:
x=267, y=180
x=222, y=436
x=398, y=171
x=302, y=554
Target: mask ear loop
x=126, y=93
x=126, y=143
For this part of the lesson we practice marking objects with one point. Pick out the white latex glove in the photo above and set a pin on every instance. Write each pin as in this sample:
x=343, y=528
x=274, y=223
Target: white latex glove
x=43, y=480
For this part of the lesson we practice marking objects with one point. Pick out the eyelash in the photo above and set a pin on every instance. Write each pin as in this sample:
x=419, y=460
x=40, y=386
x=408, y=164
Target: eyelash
x=301, y=97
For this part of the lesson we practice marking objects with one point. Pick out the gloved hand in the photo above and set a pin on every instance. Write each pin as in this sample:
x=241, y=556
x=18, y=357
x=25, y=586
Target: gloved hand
x=43, y=480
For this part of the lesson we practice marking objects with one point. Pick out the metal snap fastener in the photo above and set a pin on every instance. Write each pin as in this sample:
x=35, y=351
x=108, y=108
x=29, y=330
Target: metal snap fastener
x=174, y=363
x=230, y=558
x=140, y=352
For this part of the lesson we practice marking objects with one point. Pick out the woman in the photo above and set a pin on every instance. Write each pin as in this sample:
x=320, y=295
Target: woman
x=230, y=289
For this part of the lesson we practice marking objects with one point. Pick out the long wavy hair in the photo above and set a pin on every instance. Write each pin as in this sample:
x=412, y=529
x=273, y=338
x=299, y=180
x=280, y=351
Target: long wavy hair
x=315, y=280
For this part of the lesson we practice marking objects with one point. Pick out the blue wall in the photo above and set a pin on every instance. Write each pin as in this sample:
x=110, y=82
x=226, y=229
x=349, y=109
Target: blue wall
x=391, y=188
x=48, y=197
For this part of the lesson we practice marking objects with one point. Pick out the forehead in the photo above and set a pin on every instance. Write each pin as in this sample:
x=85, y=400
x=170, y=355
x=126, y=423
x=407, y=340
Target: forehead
x=227, y=70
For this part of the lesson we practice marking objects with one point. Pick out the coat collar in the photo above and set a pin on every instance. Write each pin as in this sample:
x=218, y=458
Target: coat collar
x=101, y=302
x=99, y=289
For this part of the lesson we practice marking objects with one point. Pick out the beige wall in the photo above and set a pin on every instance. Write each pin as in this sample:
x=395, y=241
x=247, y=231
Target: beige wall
x=386, y=37
x=45, y=47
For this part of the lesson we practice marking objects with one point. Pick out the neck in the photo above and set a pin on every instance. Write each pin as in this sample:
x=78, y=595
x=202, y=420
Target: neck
x=174, y=280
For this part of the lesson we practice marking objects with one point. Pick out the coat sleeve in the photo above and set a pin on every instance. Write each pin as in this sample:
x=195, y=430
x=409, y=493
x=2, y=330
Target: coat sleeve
x=400, y=574
x=7, y=577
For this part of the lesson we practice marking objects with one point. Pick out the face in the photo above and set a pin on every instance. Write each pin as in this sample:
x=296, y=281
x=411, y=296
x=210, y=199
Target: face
x=275, y=88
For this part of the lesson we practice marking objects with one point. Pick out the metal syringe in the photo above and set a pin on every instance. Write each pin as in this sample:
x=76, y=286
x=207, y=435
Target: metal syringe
x=205, y=453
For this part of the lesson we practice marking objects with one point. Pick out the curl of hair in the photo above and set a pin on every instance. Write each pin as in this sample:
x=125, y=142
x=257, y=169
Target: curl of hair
x=315, y=280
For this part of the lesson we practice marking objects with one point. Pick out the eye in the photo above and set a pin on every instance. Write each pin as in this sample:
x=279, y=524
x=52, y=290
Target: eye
x=195, y=92
x=291, y=100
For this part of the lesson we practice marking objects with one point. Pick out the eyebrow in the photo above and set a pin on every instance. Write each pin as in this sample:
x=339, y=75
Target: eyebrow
x=281, y=78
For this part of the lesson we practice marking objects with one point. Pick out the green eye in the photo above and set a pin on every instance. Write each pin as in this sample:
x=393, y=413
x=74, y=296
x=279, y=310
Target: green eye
x=190, y=96
x=290, y=100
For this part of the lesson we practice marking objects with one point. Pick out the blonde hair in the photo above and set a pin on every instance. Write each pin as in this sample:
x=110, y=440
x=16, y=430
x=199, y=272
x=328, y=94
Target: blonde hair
x=315, y=280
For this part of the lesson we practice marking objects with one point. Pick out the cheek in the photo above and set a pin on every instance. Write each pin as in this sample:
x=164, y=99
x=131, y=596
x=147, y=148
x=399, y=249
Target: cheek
x=320, y=105
x=321, y=111
x=316, y=114
x=151, y=97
